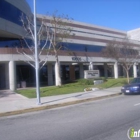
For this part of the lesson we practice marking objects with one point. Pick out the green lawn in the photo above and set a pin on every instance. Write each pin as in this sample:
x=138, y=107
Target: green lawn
x=113, y=83
x=77, y=86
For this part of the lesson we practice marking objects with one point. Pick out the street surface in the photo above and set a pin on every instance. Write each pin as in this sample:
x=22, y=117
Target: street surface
x=107, y=119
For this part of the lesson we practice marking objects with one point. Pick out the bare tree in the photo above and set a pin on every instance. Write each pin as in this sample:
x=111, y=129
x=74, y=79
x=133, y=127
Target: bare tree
x=122, y=52
x=33, y=45
x=61, y=31
x=26, y=47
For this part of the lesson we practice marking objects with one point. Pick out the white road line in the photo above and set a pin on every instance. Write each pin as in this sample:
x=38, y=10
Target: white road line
x=137, y=104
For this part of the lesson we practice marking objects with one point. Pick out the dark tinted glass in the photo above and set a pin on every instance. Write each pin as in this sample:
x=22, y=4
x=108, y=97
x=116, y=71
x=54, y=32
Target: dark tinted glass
x=10, y=12
x=9, y=42
x=81, y=47
x=64, y=46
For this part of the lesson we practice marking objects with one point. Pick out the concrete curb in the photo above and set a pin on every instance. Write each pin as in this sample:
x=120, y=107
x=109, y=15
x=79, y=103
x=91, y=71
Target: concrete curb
x=22, y=111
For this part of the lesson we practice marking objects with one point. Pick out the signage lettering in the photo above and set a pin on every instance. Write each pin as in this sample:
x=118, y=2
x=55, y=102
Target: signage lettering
x=91, y=74
x=76, y=58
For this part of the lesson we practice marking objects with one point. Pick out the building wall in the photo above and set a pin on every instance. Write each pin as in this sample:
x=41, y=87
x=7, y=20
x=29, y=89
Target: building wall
x=86, y=46
x=89, y=34
x=134, y=34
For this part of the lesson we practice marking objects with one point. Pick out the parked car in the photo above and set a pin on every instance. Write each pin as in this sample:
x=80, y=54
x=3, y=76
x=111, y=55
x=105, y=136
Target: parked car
x=132, y=88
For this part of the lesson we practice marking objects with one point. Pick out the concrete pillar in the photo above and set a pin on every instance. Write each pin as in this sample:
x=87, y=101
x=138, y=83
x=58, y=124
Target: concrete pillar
x=116, y=70
x=81, y=70
x=50, y=74
x=12, y=75
x=105, y=70
x=91, y=67
x=134, y=70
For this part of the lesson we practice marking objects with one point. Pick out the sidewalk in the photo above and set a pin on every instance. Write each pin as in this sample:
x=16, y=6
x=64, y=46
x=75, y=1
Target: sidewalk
x=12, y=103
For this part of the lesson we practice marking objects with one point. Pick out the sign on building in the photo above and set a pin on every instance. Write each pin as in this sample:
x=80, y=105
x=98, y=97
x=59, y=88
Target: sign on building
x=76, y=58
x=91, y=74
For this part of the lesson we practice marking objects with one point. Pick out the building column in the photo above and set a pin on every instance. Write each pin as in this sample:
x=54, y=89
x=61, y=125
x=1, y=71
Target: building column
x=105, y=70
x=50, y=74
x=81, y=70
x=116, y=70
x=91, y=67
x=12, y=75
x=72, y=72
x=134, y=70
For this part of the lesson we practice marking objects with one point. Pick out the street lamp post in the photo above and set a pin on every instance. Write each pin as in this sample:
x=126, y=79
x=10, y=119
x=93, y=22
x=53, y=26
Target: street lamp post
x=36, y=58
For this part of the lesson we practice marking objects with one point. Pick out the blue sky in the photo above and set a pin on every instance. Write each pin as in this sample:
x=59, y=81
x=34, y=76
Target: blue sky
x=117, y=14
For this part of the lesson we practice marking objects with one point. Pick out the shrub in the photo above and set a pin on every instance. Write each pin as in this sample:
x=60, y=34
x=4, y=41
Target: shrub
x=101, y=78
x=85, y=81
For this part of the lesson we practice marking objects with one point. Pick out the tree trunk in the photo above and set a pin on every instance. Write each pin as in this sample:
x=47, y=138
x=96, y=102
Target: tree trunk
x=127, y=74
x=57, y=74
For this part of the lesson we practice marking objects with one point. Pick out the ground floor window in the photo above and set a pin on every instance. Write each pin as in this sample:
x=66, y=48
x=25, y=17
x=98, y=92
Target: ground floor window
x=27, y=73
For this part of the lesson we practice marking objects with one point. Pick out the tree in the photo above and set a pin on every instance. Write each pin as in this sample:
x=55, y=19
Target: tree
x=123, y=52
x=35, y=46
x=52, y=32
x=60, y=31
x=26, y=47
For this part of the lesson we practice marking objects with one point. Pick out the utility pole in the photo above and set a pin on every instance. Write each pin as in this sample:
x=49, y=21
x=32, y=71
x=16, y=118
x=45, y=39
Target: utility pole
x=36, y=58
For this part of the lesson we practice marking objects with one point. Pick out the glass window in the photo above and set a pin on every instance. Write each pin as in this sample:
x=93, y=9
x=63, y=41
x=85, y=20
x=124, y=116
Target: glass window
x=81, y=47
x=10, y=12
x=8, y=42
x=64, y=46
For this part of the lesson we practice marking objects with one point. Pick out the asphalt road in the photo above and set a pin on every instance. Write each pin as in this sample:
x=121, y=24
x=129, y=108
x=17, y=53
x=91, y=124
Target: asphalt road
x=107, y=119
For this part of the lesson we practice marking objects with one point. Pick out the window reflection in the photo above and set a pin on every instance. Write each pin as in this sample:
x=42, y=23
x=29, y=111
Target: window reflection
x=10, y=12
x=8, y=42
x=81, y=47
x=64, y=46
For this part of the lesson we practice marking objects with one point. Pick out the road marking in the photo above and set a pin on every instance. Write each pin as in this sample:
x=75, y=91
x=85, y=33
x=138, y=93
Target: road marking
x=137, y=104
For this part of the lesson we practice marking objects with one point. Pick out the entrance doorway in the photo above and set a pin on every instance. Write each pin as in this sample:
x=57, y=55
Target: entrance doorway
x=2, y=77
